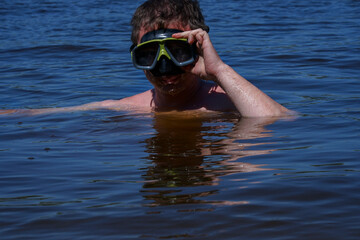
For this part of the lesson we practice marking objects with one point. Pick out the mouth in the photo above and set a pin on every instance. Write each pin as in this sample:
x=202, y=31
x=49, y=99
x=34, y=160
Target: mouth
x=169, y=80
x=170, y=84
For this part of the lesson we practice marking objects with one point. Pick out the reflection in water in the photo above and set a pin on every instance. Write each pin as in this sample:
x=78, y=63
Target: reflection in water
x=195, y=150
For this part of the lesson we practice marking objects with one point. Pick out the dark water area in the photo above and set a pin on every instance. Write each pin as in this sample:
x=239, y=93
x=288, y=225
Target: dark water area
x=127, y=175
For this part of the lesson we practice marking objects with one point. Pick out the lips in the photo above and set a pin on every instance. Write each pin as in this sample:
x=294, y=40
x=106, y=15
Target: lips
x=169, y=80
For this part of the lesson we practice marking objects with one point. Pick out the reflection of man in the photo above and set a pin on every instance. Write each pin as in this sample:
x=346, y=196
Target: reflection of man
x=172, y=45
x=189, y=150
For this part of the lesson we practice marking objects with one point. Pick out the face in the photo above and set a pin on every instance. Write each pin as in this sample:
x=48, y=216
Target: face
x=174, y=84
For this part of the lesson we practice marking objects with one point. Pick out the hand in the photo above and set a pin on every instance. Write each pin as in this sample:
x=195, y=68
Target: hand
x=209, y=64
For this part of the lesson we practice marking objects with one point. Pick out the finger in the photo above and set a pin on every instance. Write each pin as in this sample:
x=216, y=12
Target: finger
x=190, y=39
x=190, y=35
x=185, y=33
x=200, y=37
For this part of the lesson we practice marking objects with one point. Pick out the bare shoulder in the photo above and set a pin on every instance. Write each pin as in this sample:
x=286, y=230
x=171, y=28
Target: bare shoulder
x=142, y=100
x=213, y=97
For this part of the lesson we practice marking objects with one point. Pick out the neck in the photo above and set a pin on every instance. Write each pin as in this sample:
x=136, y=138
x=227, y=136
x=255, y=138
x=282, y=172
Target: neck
x=179, y=101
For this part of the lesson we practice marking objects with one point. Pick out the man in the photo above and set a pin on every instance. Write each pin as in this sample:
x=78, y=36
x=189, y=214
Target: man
x=172, y=45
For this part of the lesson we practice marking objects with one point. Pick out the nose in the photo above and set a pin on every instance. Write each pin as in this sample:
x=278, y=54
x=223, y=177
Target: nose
x=166, y=65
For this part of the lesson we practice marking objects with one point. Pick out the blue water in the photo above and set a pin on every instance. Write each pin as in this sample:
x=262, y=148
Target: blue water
x=126, y=175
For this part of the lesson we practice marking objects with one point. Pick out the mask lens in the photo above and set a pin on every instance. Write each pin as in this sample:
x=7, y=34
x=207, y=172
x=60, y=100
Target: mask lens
x=180, y=50
x=145, y=55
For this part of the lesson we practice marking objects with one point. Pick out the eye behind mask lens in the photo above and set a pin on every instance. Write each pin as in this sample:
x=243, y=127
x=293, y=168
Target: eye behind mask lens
x=180, y=50
x=145, y=55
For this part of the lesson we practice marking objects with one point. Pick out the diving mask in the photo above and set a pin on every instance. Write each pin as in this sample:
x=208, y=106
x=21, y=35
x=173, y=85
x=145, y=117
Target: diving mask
x=162, y=54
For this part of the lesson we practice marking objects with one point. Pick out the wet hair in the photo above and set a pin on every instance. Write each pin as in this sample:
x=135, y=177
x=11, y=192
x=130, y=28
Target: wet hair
x=157, y=14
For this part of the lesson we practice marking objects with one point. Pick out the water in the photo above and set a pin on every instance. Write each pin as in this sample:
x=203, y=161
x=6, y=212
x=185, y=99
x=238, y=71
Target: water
x=125, y=175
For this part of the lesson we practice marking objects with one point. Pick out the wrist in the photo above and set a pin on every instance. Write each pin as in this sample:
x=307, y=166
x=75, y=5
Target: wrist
x=221, y=70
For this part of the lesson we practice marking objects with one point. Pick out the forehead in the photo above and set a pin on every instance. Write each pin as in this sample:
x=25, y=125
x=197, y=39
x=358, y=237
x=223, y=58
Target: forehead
x=172, y=25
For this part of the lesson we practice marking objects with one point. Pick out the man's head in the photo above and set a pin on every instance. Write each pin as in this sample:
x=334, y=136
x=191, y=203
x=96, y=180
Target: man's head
x=158, y=14
x=182, y=15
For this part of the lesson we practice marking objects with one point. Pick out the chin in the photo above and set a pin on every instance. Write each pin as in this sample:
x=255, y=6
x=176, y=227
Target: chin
x=172, y=89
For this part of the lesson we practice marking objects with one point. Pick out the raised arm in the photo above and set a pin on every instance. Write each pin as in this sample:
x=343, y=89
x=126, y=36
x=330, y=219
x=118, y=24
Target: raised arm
x=248, y=99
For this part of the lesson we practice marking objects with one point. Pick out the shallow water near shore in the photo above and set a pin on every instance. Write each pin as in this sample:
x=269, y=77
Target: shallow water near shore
x=130, y=175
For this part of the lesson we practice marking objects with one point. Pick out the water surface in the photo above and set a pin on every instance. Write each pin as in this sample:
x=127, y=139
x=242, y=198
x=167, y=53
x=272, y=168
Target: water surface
x=128, y=175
